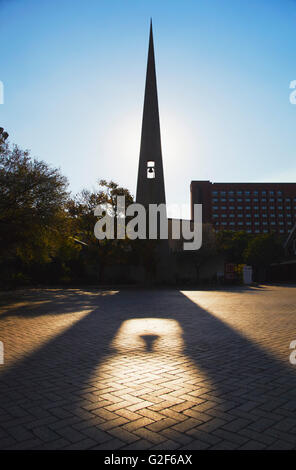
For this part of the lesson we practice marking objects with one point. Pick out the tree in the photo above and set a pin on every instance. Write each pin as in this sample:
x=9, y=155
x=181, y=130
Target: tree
x=32, y=201
x=199, y=257
x=263, y=250
x=98, y=253
x=233, y=245
x=81, y=207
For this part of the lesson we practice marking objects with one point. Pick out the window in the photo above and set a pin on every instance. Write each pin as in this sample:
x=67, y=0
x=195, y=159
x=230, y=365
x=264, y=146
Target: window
x=263, y=193
x=214, y=193
x=256, y=223
x=231, y=223
x=239, y=193
x=223, y=200
x=280, y=215
x=223, y=208
x=264, y=215
x=256, y=215
x=282, y=231
x=215, y=208
x=255, y=193
x=215, y=200
x=288, y=215
x=239, y=200
x=280, y=199
x=256, y=200
x=247, y=193
x=281, y=223
x=248, y=215
x=265, y=231
x=271, y=208
x=271, y=193
x=239, y=208
x=248, y=208
x=240, y=223
x=288, y=208
x=231, y=215
x=230, y=193
x=224, y=215
x=271, y=199
x=248, y=223
x=231, y=208
x=272, y=223
x=279, y=193
x=264, y=223
x=150, y=169
x=263, y=199
x=223, y=193
x=288, y=199
x=248, y=200
x=263, y=208
x=256, y=208
x=280, y=208
x=272, y=215
x=240, y=215
x=224, y=223
x=215, y=215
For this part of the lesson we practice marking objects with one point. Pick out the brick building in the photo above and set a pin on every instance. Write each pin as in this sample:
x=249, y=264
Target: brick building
x=252, y=207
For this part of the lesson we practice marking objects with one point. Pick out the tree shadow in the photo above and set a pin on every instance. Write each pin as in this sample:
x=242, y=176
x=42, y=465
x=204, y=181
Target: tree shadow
x=39, y=302
x=64, y=386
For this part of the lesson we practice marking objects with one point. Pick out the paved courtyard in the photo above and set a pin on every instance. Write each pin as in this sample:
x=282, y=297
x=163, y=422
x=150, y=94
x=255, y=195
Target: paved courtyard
x=148, y=369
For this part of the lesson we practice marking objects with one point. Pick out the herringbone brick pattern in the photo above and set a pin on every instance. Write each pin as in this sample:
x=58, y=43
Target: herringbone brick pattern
x=149, y=369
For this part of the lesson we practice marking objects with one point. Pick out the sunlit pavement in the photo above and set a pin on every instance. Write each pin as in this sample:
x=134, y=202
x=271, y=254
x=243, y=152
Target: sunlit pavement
x=148, y=369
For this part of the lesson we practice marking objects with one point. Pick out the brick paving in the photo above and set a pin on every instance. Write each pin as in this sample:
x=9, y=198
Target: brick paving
x=148, y=369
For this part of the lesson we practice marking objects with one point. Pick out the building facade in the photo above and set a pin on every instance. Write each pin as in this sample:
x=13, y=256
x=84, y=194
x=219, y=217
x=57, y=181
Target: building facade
x=251, y=207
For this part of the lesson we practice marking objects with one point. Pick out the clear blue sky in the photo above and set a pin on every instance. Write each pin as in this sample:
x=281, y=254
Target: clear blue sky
x=74, y=75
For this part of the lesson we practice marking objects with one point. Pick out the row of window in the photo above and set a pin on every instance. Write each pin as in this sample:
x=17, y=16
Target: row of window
x=250, y=223
x=248, y=216
x=232, y=208
x=262, y=200
x=260, y=231
x=247, y=193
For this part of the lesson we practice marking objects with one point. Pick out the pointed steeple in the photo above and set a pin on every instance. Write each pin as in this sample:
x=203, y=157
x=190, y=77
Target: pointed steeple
x=150, y=185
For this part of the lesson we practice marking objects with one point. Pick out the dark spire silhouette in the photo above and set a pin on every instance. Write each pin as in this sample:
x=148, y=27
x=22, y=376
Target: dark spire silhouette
x=150, y=185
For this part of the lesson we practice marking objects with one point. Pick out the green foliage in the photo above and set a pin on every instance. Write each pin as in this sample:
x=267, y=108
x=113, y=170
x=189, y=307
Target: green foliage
x=233, y=245
x=198, y=258
x=259, y=251
x=32, y=201
x=263, y=250
x=99, y=253
x=81, y=209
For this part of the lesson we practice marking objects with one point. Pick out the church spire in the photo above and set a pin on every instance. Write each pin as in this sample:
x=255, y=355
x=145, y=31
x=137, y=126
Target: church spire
x=150, y=185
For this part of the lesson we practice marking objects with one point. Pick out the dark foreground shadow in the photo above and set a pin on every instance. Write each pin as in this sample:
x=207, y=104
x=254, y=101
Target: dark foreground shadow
x=48, y=393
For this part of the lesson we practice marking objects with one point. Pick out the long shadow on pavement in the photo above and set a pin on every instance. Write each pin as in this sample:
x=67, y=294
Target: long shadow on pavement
x=88, y=386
